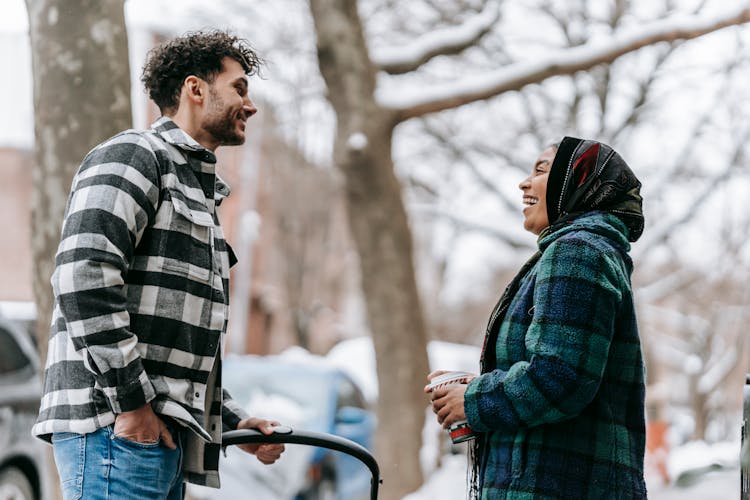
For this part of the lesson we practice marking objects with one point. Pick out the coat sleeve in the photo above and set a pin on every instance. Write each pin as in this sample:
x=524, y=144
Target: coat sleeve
x=231, y=412
x=576, y=299
x=114, y=197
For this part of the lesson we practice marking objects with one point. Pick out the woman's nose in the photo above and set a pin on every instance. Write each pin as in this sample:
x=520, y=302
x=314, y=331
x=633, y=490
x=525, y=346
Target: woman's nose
x=525, y=184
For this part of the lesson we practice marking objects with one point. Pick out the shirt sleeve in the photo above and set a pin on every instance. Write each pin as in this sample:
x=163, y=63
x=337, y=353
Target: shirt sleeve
x=576, y=298
x=114, y=196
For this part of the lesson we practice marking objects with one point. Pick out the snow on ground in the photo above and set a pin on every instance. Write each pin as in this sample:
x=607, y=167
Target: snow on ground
x=449, y=483
x=722, y=485
x=357, y=358
x=700, y=471
x=446, y=483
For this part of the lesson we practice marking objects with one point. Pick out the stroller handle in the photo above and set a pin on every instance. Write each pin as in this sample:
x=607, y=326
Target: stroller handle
x=322, y=440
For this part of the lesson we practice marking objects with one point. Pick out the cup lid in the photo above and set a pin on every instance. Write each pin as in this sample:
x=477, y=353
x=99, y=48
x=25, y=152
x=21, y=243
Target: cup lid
x=450, y=378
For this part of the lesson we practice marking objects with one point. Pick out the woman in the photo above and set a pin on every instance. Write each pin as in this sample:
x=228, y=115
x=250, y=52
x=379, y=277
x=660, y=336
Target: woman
x=559, y=402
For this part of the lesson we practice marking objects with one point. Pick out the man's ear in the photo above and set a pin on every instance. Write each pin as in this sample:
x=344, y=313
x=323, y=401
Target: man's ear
x=194, y=89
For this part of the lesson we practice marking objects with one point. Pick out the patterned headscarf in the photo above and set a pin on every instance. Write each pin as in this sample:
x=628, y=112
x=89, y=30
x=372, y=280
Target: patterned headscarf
x=588, y=175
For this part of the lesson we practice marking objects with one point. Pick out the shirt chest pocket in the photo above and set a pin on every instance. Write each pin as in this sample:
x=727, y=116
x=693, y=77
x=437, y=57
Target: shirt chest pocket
x=187, y=243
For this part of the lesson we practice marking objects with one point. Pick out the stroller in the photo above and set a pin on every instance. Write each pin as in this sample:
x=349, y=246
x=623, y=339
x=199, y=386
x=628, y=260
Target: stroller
x=283, y=434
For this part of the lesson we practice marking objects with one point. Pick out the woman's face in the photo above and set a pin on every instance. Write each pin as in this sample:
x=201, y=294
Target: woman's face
x=534, y=189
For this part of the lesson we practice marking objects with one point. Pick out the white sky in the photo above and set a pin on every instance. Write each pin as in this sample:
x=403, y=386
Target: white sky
x=14, y=16
x=16, y=100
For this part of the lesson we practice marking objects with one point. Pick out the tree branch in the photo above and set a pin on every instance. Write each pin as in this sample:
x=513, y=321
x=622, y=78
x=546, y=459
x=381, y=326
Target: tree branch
x=645, y=89
x=665, y=286
x=458, y=155
x=467, y=225
x=443, y=42
x=662, y=233
x=516, y=76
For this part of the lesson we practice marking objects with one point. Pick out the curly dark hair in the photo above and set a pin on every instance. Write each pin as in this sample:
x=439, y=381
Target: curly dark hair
x=198, y=53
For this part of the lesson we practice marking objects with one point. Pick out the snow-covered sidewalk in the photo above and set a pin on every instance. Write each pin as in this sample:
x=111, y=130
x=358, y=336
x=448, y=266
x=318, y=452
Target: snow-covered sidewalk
x=449, y=483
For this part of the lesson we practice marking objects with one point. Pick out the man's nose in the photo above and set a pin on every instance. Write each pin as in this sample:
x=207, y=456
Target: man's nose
x=249, y=107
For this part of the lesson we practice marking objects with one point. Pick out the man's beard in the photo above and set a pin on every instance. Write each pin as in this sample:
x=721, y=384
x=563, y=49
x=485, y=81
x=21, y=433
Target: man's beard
x=221, y=123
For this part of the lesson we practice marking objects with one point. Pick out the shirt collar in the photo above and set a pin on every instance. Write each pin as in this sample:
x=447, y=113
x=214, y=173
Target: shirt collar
x=173, y=134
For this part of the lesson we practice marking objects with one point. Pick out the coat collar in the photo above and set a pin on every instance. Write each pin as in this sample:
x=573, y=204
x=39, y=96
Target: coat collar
x=597, y=222
x=171, y=133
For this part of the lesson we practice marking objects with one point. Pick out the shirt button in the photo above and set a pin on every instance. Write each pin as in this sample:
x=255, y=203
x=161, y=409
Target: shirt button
x=197, y=394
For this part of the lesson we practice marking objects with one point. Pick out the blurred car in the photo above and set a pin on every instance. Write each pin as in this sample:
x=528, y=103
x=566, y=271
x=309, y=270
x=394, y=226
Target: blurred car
x=21, y=313
x=305, y=392
x=356, y=356
x=22, y=456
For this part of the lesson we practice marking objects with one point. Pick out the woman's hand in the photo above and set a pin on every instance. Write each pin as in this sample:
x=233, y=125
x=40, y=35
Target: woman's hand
x=266, y=453
x=448, y=400
x=448, y=404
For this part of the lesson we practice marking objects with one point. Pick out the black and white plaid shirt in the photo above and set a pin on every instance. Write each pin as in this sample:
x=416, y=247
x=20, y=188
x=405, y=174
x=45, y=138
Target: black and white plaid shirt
x=141, y=295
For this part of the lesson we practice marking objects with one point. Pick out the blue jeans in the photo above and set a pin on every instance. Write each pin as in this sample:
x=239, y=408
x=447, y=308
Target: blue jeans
x=103, y=466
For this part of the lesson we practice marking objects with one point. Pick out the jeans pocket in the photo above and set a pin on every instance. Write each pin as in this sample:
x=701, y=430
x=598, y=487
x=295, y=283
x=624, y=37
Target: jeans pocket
x=59, y=437
x=135, y=444
x=70, y=458
x=149, y=468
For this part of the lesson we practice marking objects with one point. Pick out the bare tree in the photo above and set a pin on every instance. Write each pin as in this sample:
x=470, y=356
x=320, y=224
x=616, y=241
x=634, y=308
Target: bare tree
x=81, y=96
x=381, y=232
x=366, y=118
x=701, y=343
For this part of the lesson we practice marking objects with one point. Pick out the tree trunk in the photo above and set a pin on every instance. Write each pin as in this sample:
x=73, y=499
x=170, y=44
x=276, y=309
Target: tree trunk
x=79, y=57
x=379, y=225
x=381, y=231
x=79, y=54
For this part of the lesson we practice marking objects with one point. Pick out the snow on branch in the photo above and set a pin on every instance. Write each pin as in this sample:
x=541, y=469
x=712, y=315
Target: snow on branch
x=567, y=61
x=446, y=41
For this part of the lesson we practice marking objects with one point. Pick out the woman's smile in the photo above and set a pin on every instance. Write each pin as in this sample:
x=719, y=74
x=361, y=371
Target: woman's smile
x=534, y=189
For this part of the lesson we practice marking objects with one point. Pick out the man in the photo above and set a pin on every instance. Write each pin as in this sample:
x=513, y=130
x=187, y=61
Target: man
x=133, y=403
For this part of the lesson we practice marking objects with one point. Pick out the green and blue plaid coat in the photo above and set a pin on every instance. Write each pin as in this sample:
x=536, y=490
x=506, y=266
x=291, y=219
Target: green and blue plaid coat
x=563, y=411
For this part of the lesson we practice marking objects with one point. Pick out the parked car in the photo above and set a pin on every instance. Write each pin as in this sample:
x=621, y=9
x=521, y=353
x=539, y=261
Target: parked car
x=22, y=456
x=305, y=392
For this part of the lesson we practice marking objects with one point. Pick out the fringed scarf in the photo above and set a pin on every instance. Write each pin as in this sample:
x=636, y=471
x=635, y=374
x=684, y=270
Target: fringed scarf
x=585, y=176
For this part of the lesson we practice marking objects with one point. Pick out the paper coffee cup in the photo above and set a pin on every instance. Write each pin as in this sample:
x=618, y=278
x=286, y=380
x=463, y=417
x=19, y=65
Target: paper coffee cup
x=459, y=431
